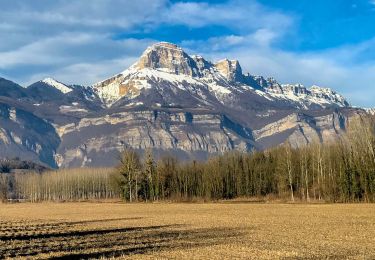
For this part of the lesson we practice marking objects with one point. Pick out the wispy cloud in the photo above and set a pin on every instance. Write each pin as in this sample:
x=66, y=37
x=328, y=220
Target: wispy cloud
x=239, y=14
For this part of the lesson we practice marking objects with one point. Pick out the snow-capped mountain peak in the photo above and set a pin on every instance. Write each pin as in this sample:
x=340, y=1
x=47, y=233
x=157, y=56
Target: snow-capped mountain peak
x=167, y=57
x=58, y=85
x=167, y=69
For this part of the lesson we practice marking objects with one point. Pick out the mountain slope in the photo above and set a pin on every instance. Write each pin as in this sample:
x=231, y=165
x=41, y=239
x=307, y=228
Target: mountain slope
x=173, y=103
x=26, y=136
x=11, y=89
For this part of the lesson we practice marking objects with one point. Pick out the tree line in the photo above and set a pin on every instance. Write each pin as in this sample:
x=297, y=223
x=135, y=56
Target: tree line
x=341, y=171
x=60, y=185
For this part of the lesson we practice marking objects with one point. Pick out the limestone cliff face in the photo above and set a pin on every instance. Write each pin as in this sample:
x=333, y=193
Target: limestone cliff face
x=26, y=136
x=230, y=69
x=301, y=129
x=96, y=141
x=168, y=57
x=184, y=133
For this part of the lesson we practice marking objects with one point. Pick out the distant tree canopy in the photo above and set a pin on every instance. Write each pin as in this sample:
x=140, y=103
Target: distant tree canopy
x=342, y=171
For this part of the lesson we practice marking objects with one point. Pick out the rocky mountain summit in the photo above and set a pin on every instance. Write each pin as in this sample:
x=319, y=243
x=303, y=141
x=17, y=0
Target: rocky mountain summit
x=167, y=64
x=168, y=101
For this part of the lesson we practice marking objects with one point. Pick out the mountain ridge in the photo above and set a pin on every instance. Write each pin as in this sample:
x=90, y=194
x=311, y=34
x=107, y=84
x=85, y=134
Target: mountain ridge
x=170, y=102
x=169, y=59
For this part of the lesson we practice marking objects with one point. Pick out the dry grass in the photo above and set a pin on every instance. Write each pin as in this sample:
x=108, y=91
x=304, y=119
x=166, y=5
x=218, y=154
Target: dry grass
x=188, y=231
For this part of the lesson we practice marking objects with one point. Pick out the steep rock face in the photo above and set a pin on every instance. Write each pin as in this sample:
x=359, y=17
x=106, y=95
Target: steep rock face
x=196, y=134
x=169, y=58
x=302, y=129
x=273, y=86
x=26, y=136
x=230, y=69
x=164, y=68
x=297, y=89
x=203, y=66
x=184, y=133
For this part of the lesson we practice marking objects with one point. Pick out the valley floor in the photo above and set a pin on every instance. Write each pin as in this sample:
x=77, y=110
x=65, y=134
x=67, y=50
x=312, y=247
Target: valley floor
x=187, y=231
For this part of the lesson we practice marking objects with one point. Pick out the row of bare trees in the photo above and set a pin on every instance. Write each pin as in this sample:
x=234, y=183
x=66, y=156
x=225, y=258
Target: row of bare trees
x=62, y=185
x=343, y=171
x=3, y=187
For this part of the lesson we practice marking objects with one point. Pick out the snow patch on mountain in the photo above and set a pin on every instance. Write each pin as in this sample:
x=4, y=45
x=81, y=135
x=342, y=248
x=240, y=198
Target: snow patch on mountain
x=71, y=109
x=132, y=81
x=58, y=85
x=305, y=97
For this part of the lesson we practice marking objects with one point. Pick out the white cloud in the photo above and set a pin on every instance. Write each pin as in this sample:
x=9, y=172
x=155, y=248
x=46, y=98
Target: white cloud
x=240, y=14
x=216, y=46
x=264, y=37
x=97, y=13
x=26, y=22
x=45, y=51
x=70, y=47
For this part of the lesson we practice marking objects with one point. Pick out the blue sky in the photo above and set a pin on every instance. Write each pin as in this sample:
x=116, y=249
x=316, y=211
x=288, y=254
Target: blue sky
x=325, y=42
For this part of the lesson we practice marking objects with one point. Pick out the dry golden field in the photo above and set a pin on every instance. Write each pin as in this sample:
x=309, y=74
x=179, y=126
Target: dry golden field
x=187, y=231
